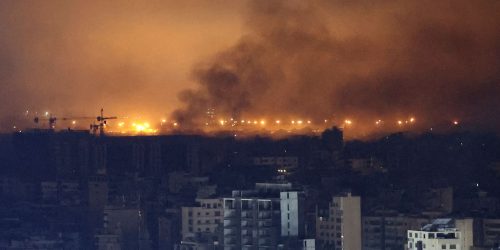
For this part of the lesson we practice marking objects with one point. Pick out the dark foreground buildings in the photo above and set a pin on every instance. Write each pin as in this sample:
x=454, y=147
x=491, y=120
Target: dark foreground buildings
x=71, y=190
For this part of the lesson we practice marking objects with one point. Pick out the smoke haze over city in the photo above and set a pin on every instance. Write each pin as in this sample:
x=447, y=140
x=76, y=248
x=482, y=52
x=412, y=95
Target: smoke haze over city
x=360, y=60
x=250, y=124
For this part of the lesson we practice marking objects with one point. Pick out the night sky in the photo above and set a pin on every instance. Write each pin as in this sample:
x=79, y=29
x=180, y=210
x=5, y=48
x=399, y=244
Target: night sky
x=362, y=60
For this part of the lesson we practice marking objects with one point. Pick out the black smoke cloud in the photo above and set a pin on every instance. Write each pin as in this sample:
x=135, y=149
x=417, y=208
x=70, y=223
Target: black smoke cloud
x=436, y=60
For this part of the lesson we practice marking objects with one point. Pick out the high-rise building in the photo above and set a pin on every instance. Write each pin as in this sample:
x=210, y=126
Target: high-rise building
x=308, y=244
x=442, y=234
x=340, y=226
x=292, y=214
x=204, y=218
x=252, y=218
x=128, y=224
x=251, y=223
x=388, y=229
x=488, y=233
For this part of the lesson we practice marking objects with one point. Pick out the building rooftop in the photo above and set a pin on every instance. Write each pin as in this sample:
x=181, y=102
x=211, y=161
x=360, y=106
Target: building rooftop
x=444, y=224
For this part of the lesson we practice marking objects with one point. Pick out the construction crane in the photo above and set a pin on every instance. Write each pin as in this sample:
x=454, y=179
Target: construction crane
x=52, y=119
x=101, y=123
x=94, y=128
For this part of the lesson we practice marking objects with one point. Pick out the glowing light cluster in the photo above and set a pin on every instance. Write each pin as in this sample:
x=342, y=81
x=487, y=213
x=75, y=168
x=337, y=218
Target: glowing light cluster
x=131, y=128
x=410, y=120
x=143, y=127
x=261, y=122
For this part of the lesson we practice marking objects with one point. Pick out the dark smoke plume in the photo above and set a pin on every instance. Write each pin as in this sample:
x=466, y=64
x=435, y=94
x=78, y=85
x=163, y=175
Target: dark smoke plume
x=436, y=60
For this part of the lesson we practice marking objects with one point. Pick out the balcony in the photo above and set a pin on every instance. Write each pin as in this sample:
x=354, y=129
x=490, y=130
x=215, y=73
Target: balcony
x=265, y=242
x=229, y=232
x=247, y=214
x=230, y=242
x=264, y=215
x=230, y=223
x=229, y=213
x=246, y=223
x=246, y=240
x=246, y=232
x=265, y=223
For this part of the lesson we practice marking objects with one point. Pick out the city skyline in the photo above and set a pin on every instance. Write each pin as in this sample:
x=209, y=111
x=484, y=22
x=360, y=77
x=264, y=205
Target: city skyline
x=258, y=60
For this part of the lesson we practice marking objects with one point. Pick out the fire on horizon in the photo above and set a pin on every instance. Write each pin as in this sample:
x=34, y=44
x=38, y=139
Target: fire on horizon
x=353, y=128
x=261, y=65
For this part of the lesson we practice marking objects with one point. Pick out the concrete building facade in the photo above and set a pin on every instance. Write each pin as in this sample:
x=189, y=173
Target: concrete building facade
x=205, y=218
x=292, y=214
x=442, y=234
x=340, y=226
x=388, y=231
